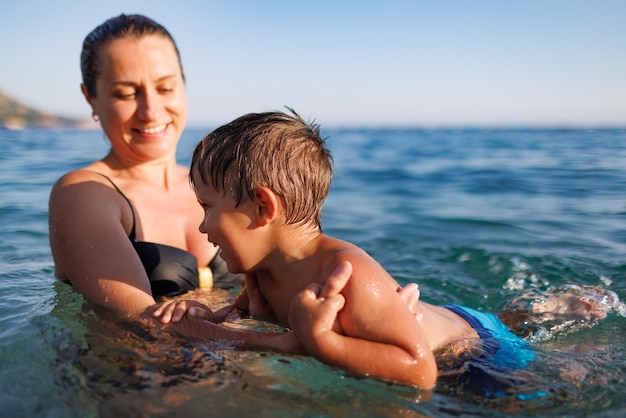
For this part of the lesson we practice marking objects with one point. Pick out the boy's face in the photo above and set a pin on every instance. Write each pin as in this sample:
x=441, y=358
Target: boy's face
x=227, y=226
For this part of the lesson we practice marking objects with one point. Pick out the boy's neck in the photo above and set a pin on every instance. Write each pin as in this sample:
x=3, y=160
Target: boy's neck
x=295, y=263
x=294, y=247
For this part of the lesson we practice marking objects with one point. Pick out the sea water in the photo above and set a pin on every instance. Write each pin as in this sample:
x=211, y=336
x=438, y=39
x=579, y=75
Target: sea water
x=476, y=217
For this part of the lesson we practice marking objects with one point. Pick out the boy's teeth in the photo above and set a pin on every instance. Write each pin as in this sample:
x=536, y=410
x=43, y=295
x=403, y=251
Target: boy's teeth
x=154, y=130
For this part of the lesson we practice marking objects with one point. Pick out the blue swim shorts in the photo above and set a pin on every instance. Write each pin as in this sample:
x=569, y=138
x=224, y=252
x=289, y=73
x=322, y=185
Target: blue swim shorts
x=501, y=347
x=492, y=375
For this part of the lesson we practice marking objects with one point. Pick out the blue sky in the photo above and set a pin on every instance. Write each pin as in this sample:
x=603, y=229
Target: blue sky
x=370, y=63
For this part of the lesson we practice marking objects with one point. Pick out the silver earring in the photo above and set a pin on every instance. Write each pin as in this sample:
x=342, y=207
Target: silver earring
x=95, y=117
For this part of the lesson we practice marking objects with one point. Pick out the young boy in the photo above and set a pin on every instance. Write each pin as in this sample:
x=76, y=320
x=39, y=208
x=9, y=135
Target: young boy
x=262, y=180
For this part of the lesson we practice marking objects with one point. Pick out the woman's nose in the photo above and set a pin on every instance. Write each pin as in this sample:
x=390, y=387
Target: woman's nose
x=150, y=106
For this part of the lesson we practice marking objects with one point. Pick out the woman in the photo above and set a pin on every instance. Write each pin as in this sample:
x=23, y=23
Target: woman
x=104, y=218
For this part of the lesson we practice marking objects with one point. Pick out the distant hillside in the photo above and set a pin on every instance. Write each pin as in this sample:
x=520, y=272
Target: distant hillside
x=15, y=115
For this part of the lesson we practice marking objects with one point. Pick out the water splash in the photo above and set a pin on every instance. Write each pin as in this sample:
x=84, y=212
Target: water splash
x=540, y=315
x=523, y=277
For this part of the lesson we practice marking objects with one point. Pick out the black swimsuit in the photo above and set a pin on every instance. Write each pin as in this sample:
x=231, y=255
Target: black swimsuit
x=172, y=270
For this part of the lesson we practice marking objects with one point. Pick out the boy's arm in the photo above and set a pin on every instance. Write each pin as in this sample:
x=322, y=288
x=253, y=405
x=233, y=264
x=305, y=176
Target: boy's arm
x=253, y=302
x=382, y=339
x=173, y=316
x=285, y=342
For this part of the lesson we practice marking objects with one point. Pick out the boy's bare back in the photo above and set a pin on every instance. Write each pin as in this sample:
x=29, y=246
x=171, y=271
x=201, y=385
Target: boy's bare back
x=374, y=319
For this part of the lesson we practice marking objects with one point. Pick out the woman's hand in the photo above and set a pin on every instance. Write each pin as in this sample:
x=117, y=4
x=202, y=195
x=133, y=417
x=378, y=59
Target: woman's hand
x=410, y=294
x=174, y=310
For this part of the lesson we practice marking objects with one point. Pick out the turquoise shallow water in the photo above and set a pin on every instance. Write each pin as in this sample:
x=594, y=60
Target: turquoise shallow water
x=476, y=217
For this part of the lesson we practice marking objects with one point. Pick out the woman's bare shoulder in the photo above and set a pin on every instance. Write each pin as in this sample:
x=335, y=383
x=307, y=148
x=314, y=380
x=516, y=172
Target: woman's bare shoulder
x=84, y=185
x=89, y=173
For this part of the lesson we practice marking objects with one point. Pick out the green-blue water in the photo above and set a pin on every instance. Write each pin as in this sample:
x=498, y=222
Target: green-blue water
x=476, y=217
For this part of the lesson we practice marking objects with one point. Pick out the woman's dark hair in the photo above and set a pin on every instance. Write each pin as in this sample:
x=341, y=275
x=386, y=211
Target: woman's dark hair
x=118, y=27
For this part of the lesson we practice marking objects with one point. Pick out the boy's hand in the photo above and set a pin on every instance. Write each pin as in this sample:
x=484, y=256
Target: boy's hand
x=338, y=279
x=314, y=310
x=318, y=306
x=174, y=310
x=257, y=305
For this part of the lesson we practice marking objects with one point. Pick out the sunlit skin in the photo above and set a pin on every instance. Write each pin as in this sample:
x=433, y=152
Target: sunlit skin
x=141, y=101
x=359, y=324
x=141, y=104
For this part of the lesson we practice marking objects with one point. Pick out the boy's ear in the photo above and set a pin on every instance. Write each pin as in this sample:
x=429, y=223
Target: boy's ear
x=267, y=205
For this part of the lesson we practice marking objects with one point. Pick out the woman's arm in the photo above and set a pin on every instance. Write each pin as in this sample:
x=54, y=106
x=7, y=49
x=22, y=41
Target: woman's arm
x=88, y=224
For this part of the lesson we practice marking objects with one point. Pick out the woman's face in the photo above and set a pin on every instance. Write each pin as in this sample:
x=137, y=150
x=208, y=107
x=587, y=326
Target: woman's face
x=141, y=101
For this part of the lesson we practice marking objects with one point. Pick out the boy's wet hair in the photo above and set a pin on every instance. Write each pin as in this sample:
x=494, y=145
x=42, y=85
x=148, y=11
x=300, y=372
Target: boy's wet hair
x=271, y=149
x=122, y=26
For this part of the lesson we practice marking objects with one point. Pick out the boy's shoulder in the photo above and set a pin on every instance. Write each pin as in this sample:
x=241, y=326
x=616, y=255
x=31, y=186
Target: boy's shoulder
x=364, y=267
x=333, y=251
x=339, y=247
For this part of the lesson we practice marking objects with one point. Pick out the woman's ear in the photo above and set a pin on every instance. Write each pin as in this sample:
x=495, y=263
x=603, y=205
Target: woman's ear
x=267, y=205
x=83, y=89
